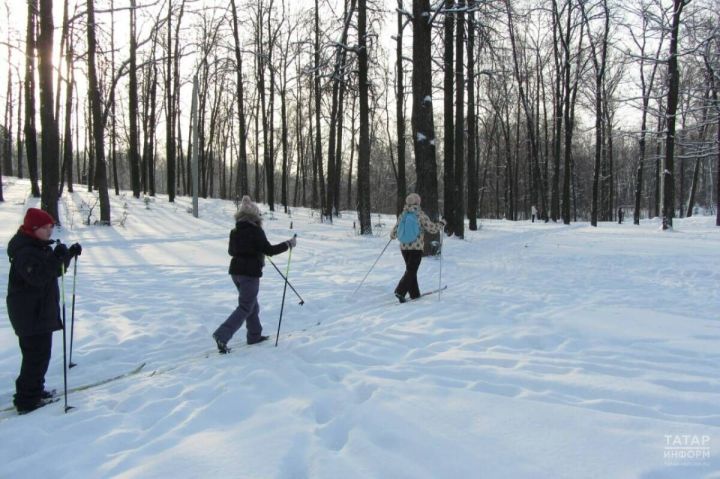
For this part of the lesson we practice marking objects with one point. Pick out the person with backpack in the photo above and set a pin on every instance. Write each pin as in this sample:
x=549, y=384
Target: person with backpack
x=410, y=231
x=248, y=247
x=33, y=302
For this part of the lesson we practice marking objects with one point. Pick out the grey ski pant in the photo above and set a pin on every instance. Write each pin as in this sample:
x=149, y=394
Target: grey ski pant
x=247, y=310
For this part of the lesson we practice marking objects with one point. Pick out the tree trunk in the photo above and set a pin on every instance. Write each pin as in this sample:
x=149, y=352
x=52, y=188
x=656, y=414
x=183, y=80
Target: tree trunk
x=7, y=147
x=169, y=112
x=338, y=79
x=176, y=96
x=318, y=131
x=30, y=130
x=50, y=167
x=241, y=185
x=558, y=37
x=646, y=91
x=19, y=147
x=672, y=103
x=68, y=143
x=448, y=122
x=352, y=154
x=537, y=184
x=599, y=64
x=113, y=127
x=364, y=150
x=400, y=112
x=133, y=154
x=422, y=113
x=459, y=183
x=153, y=124
x=98, y=126
x=472, y=169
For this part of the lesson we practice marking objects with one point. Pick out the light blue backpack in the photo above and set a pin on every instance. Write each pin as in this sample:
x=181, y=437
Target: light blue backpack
x=409, y=229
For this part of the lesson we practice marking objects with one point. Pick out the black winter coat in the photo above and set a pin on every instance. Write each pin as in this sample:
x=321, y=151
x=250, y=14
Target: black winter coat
x=33, y=295
x=248, y=246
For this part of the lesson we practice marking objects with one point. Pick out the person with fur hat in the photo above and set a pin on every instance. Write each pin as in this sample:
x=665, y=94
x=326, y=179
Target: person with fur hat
x=248, y=246
x=33, y=302
x=412, y=249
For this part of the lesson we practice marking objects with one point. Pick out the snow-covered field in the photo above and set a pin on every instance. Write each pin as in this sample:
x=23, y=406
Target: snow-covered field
x=556, y=352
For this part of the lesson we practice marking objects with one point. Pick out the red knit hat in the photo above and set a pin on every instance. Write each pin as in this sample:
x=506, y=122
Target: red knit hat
x=36, y=218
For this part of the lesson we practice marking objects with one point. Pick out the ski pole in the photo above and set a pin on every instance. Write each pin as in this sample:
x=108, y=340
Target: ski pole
x=62, y=282
x=302, y=301
x=371, y=268
x=72, y=315
x=282, y=305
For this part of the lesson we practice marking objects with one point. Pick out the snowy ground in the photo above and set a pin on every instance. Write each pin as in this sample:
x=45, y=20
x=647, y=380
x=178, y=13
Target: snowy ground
x=555, y=352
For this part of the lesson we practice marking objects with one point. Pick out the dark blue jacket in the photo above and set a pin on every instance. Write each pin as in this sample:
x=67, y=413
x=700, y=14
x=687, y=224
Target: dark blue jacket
x=33, y=295
x=248, y=246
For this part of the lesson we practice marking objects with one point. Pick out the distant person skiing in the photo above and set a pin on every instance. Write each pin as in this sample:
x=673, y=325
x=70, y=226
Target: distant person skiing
x=33, y=302
x=248, y=246
x=621, y=215
x=533, y=210
x=410, y=231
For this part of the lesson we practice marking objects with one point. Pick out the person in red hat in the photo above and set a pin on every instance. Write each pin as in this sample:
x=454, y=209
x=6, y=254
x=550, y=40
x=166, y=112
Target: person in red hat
x=33, y=302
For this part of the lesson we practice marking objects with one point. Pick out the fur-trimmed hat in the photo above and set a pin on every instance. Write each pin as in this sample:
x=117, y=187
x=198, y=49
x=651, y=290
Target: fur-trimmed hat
x=412, y=199
x=36, y=218
x=247, y=208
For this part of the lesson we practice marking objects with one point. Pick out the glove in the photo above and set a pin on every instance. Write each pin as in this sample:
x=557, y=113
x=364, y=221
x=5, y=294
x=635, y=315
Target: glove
x=75, y=250
x=292, y=242
x=60, y=251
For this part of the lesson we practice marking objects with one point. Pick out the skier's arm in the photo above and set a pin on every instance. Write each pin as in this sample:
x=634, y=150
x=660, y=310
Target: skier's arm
x=264, y=246
x=428, y=225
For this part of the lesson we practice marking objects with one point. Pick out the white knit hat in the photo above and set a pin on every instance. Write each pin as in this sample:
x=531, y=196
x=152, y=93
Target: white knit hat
x=248, y=207
x=412, y=199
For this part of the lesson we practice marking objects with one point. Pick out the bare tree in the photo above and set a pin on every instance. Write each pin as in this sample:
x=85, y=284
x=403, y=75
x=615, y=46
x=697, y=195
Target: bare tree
x=19, y=148
x=97, y=118
x=338, y=78
x=50, y=167
x=423, y=128
x=672, y=103
x=364, y=149
x=400, y=110
x=69, y=89
x=30, y=130
x=171, y=92
x=472, y=160
x=448, y=119
x=318, y=175
x=7, y=141
x=133, y=154
x=241, y=185
x=646, y=86
x=458, y=183
x=537, y=189
x=599, y=59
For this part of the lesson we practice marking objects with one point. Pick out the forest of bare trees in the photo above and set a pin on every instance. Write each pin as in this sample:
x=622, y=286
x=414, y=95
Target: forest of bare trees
x=580, y=108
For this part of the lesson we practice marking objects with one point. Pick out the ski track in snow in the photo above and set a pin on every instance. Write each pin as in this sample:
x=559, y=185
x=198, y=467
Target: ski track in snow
x=556, y=351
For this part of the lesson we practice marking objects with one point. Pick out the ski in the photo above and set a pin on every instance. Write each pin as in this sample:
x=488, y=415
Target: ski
x=55, y=397
x=107, y=380
x=45, y=401
x=426, y=293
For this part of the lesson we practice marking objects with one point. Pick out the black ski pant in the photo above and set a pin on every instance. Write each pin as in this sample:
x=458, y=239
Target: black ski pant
x=408, y=283
x=36, y=350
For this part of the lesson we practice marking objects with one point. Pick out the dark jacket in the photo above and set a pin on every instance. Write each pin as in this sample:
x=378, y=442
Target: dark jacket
x=33, y=294
x=248, y=246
